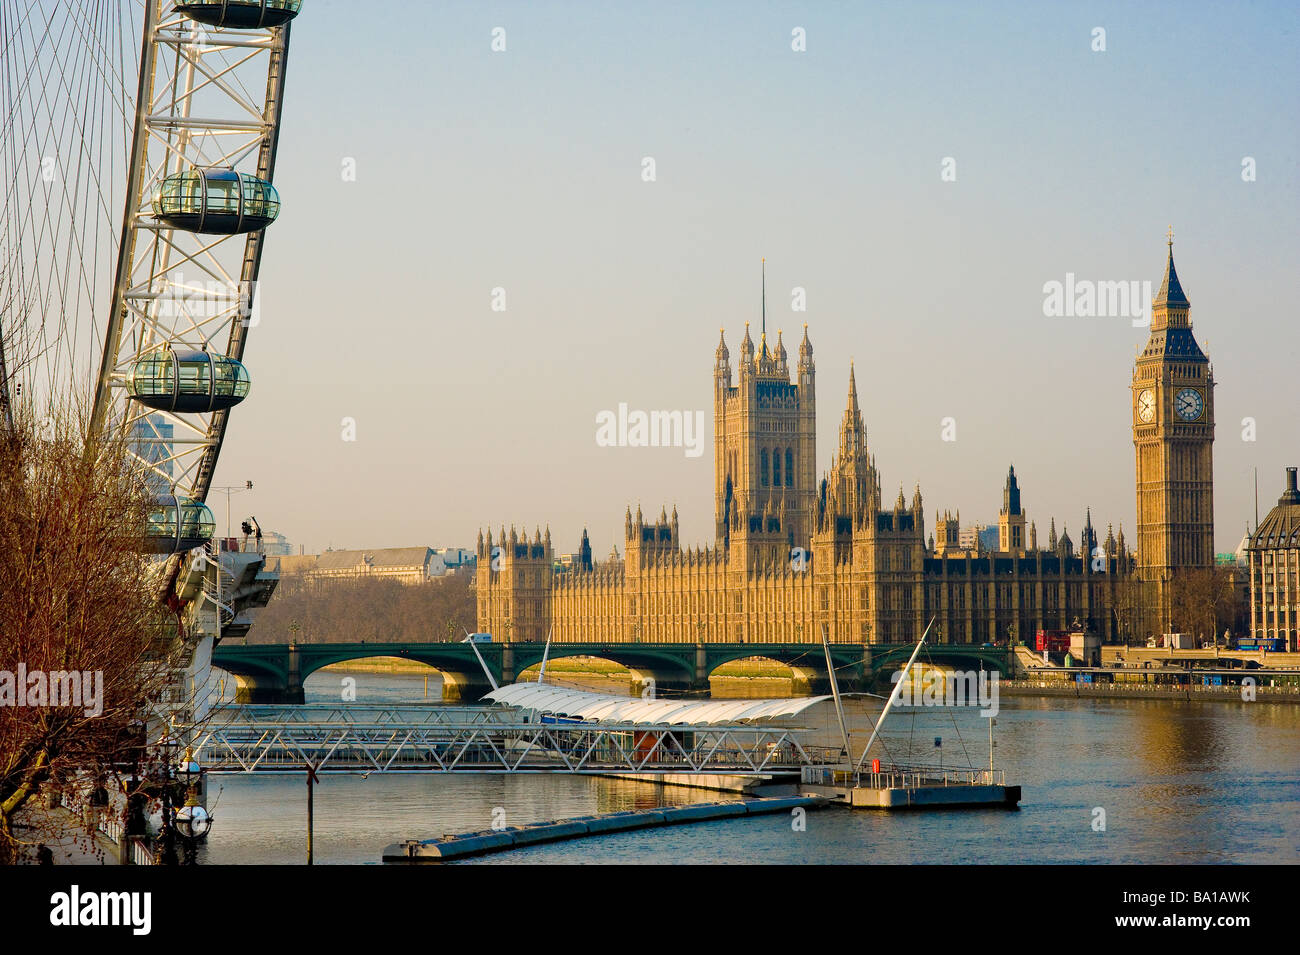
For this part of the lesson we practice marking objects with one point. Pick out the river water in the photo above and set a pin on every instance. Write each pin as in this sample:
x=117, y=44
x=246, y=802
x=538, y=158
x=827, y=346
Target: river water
x=1104, y=781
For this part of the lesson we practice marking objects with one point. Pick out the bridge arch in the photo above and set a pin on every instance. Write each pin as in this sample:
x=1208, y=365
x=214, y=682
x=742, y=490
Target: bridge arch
x=459, y=681
x=806, y=660
x=661, y=669
x=886, y=660
x=805, y=675
x=259, y=677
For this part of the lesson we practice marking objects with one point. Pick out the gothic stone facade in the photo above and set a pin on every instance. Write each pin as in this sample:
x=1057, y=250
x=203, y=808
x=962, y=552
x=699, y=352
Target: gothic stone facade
x=1273, y=555
x=794, y=555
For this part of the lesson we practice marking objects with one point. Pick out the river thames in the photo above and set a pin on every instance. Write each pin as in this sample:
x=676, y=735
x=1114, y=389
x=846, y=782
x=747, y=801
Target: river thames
x=1172, y=782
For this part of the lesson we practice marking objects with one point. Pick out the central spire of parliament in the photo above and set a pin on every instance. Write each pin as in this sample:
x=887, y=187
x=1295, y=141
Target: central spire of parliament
x=797, y=554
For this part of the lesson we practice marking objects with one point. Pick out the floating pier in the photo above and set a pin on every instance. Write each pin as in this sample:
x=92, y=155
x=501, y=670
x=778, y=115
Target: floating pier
x=921, y=788
x=469, y=844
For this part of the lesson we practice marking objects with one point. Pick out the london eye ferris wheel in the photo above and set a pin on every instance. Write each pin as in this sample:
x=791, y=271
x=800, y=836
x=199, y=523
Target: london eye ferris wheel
x=137, y=168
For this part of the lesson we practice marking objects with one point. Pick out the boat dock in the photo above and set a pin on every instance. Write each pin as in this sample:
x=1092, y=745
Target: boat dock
x=466, y=845
x=898, y=787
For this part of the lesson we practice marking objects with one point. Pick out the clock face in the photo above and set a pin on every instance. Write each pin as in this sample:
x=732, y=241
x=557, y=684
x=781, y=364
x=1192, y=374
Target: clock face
x=1146, y=405
x=1189, y=404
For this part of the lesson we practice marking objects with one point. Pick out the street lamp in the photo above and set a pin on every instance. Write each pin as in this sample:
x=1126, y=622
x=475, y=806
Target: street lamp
x=192, y=822
x=234, y=489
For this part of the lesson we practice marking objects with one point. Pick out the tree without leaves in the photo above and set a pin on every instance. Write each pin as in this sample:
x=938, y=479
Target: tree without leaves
x=1135, y=619
x=370, y=610
x=76, y=594
x=1204, y=600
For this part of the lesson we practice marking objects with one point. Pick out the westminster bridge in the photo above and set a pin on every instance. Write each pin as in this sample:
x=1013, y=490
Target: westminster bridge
x=274, y=673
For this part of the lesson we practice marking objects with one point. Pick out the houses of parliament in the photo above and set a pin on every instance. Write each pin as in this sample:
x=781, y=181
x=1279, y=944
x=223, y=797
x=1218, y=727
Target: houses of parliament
x=794, y=554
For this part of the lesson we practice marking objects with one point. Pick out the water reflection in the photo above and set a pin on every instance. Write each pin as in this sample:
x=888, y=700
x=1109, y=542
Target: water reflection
x=1179, y=782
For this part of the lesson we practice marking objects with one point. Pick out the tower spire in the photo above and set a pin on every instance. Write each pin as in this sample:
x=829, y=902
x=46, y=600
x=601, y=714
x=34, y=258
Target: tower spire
x=1171, y=290
x=765, y=298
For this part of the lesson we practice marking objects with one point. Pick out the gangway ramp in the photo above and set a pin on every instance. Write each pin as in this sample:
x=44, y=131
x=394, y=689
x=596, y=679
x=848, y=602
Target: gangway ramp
x=492, y=740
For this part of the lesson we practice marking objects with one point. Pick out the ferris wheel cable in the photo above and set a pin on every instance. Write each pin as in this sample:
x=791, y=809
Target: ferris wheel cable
x=15, y=103
x=125, y=247
x=26, y=225
x=62, y=117
x=76, y=91
x=96, y=41
x=73, y=203
x=48, y=297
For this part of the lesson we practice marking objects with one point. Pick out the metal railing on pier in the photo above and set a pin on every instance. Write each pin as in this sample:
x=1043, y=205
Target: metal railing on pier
x=490, y=740
x=902, y=777
x=355, y=714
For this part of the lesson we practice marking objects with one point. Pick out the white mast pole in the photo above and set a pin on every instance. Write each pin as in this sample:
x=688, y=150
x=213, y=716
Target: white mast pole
x=545, y=653
x=893, y=697
x=481, y=662
x=835, y=692
x=992, y=720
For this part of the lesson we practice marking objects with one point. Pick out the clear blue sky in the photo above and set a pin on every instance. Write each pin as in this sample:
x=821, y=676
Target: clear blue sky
x=522, y=169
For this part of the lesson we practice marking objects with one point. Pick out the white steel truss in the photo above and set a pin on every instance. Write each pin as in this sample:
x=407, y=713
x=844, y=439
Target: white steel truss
x=481, y=745
x=208, y=97
x=348, y=714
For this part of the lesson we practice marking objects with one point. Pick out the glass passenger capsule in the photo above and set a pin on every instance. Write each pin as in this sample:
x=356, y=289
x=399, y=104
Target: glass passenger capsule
x=240, y=14
x=178, y=524
x=189, y=382
x=216, y=201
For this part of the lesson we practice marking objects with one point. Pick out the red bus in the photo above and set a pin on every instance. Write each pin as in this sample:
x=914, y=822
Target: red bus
x=1055, y=641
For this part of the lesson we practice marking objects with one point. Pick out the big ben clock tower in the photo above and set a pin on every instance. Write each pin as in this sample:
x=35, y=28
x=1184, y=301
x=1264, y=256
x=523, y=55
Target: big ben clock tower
x=1173, y=435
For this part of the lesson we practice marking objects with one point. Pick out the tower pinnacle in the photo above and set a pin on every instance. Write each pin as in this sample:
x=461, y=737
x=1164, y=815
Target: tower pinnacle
x=1171, y=290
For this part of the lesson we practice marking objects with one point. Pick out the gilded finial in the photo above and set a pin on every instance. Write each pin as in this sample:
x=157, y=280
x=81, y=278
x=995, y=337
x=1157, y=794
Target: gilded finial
x=1171, y=236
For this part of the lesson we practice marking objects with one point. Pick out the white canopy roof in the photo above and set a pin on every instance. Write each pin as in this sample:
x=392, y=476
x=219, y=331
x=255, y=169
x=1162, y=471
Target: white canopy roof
x=606, y=708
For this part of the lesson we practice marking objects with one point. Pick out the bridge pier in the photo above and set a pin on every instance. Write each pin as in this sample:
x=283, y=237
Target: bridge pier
x=651, y=686
x=293, y=690
x=463, y=687
x=250, y=692
x=507, y=663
